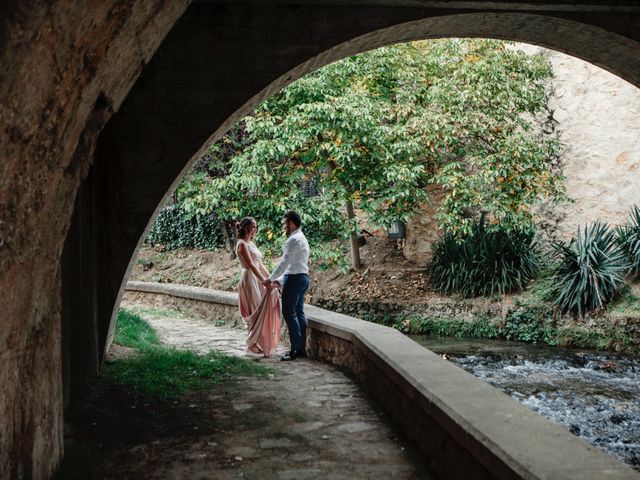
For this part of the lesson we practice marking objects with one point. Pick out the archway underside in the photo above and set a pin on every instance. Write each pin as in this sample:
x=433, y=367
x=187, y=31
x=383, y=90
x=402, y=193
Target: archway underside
x=217, y=63
x=243, y=70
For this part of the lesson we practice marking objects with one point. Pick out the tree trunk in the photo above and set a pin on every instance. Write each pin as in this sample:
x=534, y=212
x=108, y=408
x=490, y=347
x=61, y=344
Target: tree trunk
x=355, y=248
x=229, y=240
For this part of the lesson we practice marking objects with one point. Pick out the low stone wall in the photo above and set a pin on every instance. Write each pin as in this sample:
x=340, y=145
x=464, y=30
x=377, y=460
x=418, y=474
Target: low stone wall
x=465, y=428
x=181, y=302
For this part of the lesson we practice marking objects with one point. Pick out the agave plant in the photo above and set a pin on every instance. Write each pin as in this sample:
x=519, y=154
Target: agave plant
x=484, y=263
x=629, y=241
x=590, y=270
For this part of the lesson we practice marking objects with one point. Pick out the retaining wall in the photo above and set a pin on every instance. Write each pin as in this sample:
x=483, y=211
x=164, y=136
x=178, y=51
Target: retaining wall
x=465, y=428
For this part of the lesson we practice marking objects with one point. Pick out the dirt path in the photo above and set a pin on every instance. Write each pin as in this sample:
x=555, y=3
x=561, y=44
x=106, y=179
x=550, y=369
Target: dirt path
x=306, y=421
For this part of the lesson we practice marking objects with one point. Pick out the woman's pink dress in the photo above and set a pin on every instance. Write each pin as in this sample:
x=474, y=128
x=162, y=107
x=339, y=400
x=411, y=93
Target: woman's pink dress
x=259, y=307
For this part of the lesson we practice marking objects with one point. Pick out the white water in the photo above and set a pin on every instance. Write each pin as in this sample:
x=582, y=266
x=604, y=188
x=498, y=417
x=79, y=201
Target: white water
x=595, y=396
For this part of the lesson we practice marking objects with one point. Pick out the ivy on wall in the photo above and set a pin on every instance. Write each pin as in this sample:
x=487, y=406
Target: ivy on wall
x=174, y=228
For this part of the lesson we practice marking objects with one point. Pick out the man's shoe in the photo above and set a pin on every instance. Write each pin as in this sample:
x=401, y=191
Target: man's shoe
x=287, y=357
x=301, y=354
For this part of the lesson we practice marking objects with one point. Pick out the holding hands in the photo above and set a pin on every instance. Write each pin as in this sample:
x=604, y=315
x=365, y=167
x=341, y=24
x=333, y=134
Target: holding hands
x=270, y=285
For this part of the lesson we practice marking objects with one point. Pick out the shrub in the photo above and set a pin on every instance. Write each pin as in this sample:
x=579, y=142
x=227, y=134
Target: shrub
x=484, y=263
x=629, y=241
x=528, y=323
x=174, y=228
x=450, y=328
x=589, y=271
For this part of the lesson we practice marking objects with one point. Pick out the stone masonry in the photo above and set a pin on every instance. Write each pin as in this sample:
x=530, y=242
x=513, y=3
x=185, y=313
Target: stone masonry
x=104, y=103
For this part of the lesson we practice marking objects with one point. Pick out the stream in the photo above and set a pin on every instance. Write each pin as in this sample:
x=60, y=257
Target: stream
x=594, y=395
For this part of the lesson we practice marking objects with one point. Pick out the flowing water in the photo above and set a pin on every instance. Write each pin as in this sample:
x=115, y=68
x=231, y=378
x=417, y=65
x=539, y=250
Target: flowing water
x=595, y=396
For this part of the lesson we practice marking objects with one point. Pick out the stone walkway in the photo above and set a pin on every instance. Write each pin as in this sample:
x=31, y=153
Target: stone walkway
x=308, y=420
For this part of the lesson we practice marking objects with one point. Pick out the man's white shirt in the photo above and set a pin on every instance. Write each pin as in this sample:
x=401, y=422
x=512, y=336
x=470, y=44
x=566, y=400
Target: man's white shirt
x=295, y=258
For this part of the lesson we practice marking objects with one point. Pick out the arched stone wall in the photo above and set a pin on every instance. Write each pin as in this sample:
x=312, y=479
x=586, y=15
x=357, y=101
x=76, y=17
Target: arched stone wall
x=66, y=66
x=70, y=66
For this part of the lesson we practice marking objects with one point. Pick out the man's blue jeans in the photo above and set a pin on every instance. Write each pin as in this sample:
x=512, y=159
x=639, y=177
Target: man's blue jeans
x=293, y=291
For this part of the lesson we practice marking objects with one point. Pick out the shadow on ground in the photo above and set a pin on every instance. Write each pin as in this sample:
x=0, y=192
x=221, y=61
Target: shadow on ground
x=307, y=420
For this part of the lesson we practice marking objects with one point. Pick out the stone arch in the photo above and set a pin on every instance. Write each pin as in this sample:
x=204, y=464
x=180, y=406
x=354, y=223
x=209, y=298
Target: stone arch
x=181, y=96
x=594, y=44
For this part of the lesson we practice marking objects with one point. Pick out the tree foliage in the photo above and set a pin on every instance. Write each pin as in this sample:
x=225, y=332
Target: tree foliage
x=173, y=228
x=378, y=128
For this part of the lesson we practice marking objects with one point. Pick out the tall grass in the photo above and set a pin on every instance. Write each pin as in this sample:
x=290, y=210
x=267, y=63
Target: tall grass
x=589, y=271
x=485, y=263
x=629, y=241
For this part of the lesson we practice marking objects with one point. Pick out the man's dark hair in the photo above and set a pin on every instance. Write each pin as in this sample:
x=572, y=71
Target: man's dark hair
x=294, y=217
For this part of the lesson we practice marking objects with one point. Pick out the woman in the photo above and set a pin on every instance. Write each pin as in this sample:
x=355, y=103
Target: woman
x=259, y=306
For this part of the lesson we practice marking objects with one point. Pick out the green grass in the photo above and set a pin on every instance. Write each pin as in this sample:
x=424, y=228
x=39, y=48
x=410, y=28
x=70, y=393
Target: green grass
x=539, y=290
x=450, y=328
x=524, y=325
x=608, y=339
x=167, y=372
x=132, y=331
x=627, y=302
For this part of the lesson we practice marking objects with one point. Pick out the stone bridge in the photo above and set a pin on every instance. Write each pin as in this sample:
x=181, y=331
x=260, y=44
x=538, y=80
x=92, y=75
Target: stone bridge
x=105, y=104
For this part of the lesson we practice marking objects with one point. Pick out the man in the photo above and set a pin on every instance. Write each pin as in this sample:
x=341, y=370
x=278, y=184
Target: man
x=294, y=266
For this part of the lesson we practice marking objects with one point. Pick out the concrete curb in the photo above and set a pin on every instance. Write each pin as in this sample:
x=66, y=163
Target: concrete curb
x=493, y=435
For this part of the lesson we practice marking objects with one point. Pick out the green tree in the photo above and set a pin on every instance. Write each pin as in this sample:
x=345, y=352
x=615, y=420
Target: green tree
x=218, y=186
x=377, y=128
